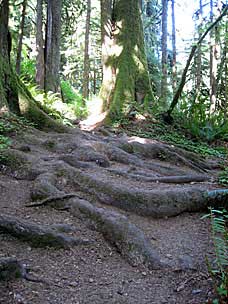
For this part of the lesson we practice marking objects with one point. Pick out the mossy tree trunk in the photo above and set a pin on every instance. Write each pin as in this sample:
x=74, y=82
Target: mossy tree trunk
x=125, y=71
x=8, y=89
x=14, y=96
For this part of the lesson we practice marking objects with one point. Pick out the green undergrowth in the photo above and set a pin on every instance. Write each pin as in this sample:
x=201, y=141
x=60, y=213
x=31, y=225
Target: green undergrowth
x=218, y=269
x=156, y=129
x=11, y=124
x=65, y=108
x=223, y=178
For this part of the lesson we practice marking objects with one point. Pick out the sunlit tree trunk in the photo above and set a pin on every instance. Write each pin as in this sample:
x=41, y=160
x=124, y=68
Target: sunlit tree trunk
x=213, y=62
x=164, y=83
x=52, y=46
x=85, y=89
x=199, y=51
x=174, y=50
x=125, y=72
x=21, y=35
x=39, y=45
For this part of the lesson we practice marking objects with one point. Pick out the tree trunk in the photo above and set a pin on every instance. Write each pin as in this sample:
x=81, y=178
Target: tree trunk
x=212, y=65
x=199, y=52
x=52, y=47
x=39, y=45
x=85, y=90
x=8, y=87
x=125, y=71
x=174, y=59
x=164, y=84
x=225, y=106
x=19, y=48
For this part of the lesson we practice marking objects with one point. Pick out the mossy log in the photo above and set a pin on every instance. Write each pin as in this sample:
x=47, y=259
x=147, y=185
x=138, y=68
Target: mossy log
x=37, y=235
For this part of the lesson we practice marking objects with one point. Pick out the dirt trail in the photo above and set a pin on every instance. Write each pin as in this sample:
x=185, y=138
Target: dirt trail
x=121, y=205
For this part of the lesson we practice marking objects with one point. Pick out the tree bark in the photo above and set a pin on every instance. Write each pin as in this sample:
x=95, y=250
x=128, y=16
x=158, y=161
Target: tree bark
x=174, y=49
x=19, y=48
x=52, y=47
x=8, y=87
x=164, y=83
x=125, y=71
x=39, y=45
x=85, y=90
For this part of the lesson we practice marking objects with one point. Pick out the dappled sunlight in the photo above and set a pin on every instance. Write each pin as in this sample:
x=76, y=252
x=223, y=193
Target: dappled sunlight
x=93, y=121
x=95, y=106
x=141, y=140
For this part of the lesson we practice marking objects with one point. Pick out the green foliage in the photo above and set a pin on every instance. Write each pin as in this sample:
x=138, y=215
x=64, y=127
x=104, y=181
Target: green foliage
x=10, y=124
x=149, y=128
x=74, y=100
x=4, y=142
x=219, y=270
x=223, y=177
x=52, y=103
x=28, y=70
x=196, y=117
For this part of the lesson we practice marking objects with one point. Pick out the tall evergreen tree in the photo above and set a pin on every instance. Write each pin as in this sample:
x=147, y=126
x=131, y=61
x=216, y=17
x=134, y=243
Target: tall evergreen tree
x=164, y=83
x=85, y=91
x=8, y=87
x=40, y=71
x=21, y=35
x=125, y=72
x=52, y=46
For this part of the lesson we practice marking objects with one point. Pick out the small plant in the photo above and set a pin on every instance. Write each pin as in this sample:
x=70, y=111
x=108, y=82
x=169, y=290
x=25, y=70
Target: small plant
x=219, y=270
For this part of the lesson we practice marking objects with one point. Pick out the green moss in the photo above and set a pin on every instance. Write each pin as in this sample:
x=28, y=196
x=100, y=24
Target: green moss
x=9, y=159
x=129, y=61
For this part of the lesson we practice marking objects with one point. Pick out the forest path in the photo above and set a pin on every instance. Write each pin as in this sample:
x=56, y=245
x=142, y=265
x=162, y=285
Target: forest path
x=113, y=194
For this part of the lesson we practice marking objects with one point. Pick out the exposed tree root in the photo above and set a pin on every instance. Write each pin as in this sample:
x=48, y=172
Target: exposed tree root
x=165, y=152
x=164, y=179
x=117, y=230
x=44, y=186
x=126, y=237
x=37, y=235
x=11, y=268
x=87, y=167
x=51, y=199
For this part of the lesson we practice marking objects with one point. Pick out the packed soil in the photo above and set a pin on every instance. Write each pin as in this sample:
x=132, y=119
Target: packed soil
x=98, y=272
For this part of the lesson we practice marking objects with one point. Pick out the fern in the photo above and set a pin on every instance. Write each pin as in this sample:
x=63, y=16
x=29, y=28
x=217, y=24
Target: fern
x=219, y=272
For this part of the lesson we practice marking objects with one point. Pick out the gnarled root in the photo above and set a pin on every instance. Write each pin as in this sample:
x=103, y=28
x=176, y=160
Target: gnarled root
x=37, y=235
